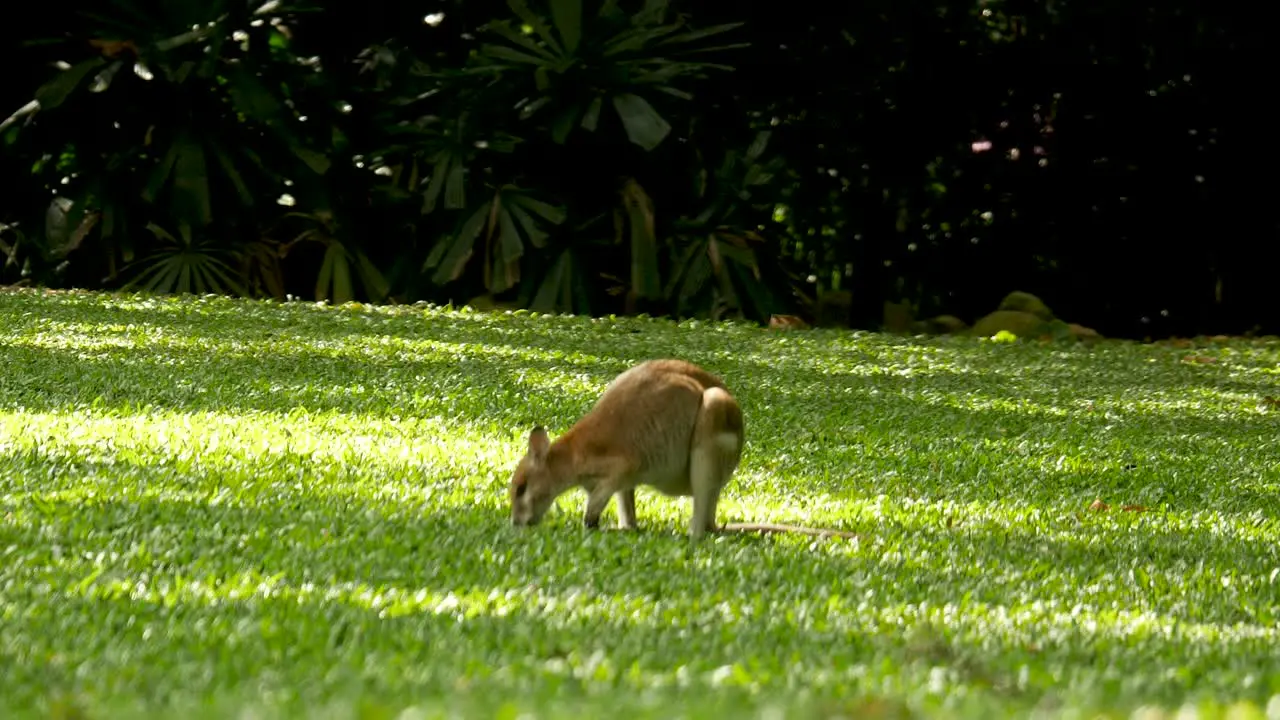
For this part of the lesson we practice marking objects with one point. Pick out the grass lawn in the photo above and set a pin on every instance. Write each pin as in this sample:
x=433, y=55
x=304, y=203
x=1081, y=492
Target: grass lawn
x=209, y=506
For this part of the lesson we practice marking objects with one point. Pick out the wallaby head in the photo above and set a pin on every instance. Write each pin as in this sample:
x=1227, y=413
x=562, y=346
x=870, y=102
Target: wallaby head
x=533, y=488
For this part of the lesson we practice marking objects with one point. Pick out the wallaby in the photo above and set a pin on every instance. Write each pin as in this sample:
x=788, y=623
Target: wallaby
x=668, y=424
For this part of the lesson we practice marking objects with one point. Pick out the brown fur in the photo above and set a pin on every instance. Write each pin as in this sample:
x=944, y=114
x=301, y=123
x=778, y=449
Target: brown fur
x=668, y=424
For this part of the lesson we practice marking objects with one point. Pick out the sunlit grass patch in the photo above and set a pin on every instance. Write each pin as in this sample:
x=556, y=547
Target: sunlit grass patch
x=209, y=506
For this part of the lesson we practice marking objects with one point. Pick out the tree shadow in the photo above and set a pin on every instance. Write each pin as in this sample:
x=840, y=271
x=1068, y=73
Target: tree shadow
x=301, y=581
x=878, y=422
x=322, y=535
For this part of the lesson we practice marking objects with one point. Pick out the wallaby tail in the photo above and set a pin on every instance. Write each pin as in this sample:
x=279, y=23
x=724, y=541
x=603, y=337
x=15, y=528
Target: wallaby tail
x=714, y=455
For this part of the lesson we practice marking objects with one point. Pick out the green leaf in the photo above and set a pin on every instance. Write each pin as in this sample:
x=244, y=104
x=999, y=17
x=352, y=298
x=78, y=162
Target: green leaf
x=335, y=275
x=674, y=92
x=317, y=161
x=678, y=52
x=439, y=174
x=251, y=97
x=631, y=40
x=455, y=195
x=191, y=183
x=218, y=276
x=738, y=254
x=528, y=109
x=232, y=173
x=564, y=123
x=375, y=283
x=460, y=249
x=567, y=16
x=343, y=291
x=644, y=126
x=551, y=213
x=680, y=266
x=540, y=54
x=160, y=174
x=542, y=79
x=758, y=145
x=508, y=236
x=102, y=81
x=531, y=228
x=325, y=277
x=537, y=23
x=56, y=91
x=653, y=12
x=437, y=253
x=591, y=118
x=664, y=72
x=184, y=276
x=700, y=34
x=695, y=279
x=502, y=52
x=554, y=288
x=8, y=127
x=186, y=38
x=609, y=9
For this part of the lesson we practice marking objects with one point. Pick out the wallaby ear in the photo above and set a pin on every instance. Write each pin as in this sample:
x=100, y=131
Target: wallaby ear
x=539, y=443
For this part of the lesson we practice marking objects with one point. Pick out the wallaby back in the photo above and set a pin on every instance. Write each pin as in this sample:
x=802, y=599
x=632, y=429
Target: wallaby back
x=668, y=424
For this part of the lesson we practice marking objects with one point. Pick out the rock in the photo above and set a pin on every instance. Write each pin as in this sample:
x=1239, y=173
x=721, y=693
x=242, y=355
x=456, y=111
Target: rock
x=1022, y=324
x=1018, y=301
x=1082, y=333
x=941, y=325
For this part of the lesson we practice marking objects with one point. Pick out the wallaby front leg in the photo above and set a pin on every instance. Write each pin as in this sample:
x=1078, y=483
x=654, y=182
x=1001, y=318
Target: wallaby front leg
x=597, y=500
x=627, y=509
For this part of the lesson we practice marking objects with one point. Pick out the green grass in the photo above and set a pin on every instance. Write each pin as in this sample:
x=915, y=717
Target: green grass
x=209, y=506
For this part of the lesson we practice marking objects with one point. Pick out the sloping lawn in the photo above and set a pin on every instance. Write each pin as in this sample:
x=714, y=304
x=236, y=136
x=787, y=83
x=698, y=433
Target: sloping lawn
x=210, y=506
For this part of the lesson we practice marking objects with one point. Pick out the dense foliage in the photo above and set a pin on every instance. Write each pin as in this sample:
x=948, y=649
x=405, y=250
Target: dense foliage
x=696, y=159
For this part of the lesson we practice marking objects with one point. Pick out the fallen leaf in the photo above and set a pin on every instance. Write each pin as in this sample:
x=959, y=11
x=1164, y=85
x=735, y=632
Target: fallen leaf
x=1099, y=506
x=1133, y=508
x=1198, y=359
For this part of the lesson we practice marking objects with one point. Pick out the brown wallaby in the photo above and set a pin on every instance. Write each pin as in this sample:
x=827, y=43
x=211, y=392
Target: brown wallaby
x=668, y=424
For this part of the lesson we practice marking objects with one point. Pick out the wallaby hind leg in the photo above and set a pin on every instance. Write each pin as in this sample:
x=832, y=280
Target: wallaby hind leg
x=627, y=509
x=714, y=456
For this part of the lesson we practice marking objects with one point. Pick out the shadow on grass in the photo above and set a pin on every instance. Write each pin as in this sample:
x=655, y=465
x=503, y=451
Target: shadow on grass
x=1021, y=372
x=650, y=588
x=333, y=539
x=317, y=379
x=302, y=590
x=898, y=423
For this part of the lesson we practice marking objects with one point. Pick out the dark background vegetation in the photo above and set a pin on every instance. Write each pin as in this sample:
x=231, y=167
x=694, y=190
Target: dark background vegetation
x=710, y=158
